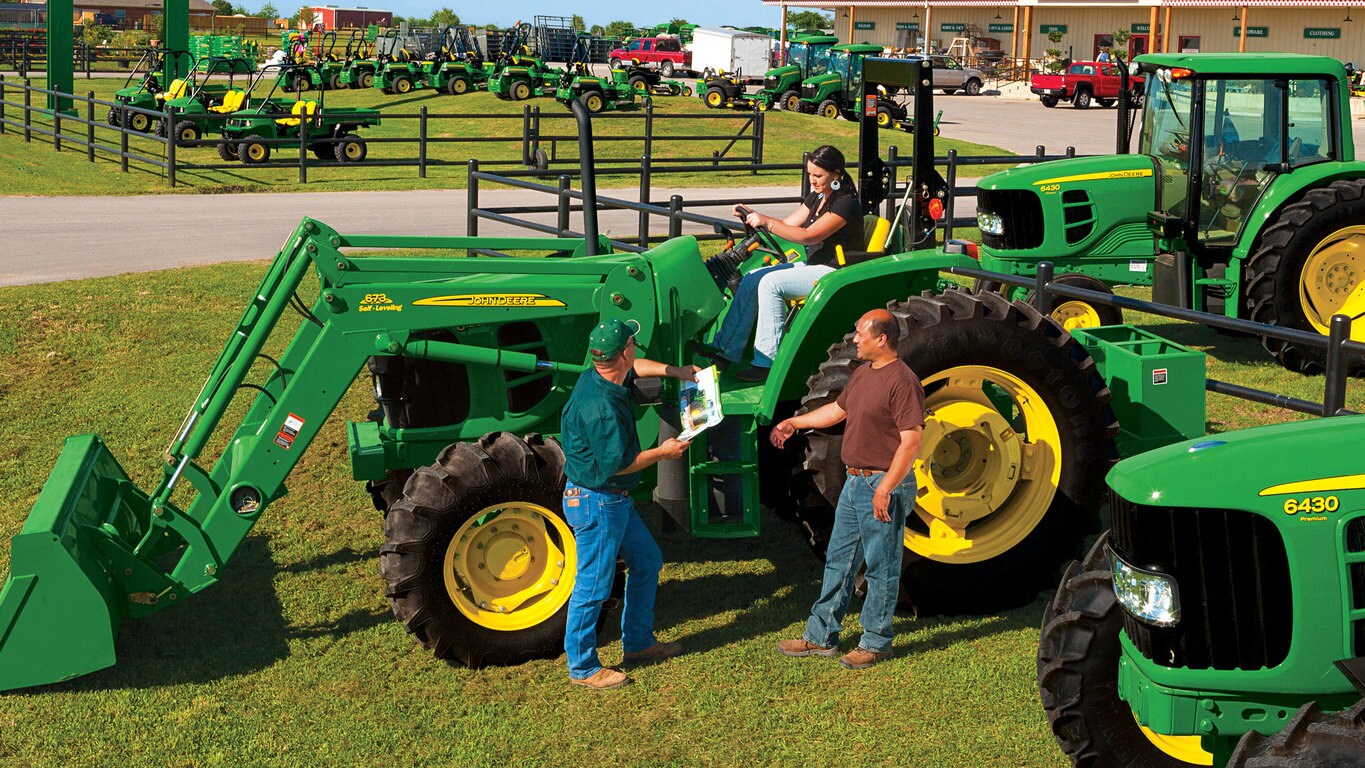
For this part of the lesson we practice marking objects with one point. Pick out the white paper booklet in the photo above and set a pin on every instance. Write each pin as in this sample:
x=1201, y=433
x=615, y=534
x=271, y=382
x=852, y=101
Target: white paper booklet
x=699, y=404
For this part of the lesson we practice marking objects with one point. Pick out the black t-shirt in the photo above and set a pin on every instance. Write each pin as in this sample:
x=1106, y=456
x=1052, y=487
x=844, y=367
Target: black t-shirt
x=846, y=206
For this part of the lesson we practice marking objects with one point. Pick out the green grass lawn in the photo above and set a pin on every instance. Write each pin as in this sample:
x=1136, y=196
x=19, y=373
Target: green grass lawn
x=295, y=658
x=37, y=169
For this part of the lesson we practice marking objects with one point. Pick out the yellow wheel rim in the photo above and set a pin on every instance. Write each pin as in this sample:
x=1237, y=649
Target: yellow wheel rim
x=1186, y=749
x=404, y=86
x=793, y=104
x=594, y=103
x=714, y=98
x=189, y=134
x=521, y=91
x=510, y=566
x=139, y=122
x=641, y=87
x=883, y=119
x=255, y=151
x=992, y=461
x=1333, y=281
x=352, y=150
x=830, y=112
x=461, y=86
x=1076, y=314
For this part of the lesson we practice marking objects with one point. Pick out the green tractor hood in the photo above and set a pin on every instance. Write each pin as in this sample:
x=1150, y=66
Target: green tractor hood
x=1087, y=206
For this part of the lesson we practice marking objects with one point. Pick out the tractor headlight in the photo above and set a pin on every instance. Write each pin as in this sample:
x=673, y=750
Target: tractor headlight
x=770, y=83
x=1149, y=596
x=990, y=223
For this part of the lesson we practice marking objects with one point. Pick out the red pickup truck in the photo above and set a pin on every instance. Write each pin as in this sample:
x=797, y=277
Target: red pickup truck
x=1083, y=83
x=666, y=53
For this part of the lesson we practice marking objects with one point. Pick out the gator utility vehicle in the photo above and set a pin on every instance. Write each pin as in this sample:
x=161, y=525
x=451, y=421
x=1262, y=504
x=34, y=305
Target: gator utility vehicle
x=1259, y=199
x=807, y=57
x=251, y=135
x=148, y=94
x=468, y=354
x=222, y=89
x=460, y=68
x=577, y=83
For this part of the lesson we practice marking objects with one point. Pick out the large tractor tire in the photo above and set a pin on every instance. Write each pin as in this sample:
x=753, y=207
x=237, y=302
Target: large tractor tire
x=227, y=151
x=1018, y=440
x=1304, y=269
x=253, y=152
x=1075, y=313
x=478, y=558
x=1310, y=740
x=790, y=101
x=593, y=102
x=186, y=131
x=350, y=150
x=1078, y=668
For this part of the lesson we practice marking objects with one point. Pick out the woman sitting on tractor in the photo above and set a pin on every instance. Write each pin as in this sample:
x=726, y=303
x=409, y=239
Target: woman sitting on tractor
x=830, y=216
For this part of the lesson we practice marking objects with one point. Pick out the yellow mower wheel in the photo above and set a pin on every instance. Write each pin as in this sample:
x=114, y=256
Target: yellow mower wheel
x=715, y=99
x=521, y=90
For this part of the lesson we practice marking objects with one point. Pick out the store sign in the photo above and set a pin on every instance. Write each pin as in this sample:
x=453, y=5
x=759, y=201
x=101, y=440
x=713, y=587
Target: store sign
x=1252, y=31
x=952, y=27
x=909, y=26
x=1046, y=28
x=864, y=25
x=1140, y=29
x=1001, y=28
x=1321, y=33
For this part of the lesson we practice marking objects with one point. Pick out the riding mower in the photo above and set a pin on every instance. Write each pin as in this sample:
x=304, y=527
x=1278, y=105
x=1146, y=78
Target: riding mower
x=519, y=76
x=460, y=67
x=297, y=75
x=647, y=81
x=250, y=135
x=148, y=94
x=577, y=83
x=330, y=66
x=400, y=70
x=720, y=90
x=208, y=100
x=357, y=71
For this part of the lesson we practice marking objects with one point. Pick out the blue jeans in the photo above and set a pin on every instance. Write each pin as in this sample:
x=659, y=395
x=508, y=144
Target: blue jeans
x=604, y=524
x=859, y=537
x=762, y=298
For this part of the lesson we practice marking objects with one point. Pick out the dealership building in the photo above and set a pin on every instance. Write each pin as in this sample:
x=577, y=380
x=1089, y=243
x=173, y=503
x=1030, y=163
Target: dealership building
x=1020, y=30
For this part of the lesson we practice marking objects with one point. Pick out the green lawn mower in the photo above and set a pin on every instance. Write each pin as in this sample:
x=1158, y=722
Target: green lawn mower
x=460, y=67
x=577, y=83
x=400, y=71
x=359, y=66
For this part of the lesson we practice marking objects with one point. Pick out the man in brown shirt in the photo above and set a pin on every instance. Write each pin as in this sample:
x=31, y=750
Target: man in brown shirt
x=884, y=406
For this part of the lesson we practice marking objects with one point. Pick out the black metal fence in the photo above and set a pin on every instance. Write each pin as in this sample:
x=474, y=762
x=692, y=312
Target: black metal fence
x=532, y=135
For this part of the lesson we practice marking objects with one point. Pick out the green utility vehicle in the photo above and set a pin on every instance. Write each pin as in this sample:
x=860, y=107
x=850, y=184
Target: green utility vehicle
x=459, y=67
x=838, y=91
x=251, y=135
x=1259, y=199
x=807, y=57
x=359, y=66
x=400, y=69
x=577, y=83
x=519, y=76
x=148, y=93
x=210, y=99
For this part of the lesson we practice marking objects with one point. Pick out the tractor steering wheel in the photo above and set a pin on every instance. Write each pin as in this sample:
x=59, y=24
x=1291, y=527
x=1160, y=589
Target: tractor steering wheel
x=767, y=242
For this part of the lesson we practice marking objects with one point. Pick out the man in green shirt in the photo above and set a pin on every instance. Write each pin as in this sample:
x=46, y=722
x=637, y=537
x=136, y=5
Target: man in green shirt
x=602, y=462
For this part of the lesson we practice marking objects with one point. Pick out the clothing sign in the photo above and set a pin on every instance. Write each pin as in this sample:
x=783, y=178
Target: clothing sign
x=1321, y=33
x=1001, y=27
x=864, y=25
x=1252, y=32
x=952, y=27
x=1046, y=28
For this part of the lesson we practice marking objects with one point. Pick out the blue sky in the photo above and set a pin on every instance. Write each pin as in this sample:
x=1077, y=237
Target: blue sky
x=705, y=12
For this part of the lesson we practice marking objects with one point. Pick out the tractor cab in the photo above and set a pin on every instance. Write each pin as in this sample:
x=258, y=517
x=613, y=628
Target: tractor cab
x=806, y=58
x=835, y=90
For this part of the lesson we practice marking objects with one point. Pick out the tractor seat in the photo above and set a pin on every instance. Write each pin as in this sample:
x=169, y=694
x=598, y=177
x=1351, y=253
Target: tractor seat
x=875, y=229
x=232, y=102
x=177, y=89
x=300, y=110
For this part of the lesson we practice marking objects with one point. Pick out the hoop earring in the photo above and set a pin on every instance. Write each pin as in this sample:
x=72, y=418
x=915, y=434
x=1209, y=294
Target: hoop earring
x=834, y=185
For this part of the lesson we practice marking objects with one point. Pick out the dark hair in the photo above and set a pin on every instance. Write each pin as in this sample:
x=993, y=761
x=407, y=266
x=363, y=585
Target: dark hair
x=885, y=326
x=831, y=159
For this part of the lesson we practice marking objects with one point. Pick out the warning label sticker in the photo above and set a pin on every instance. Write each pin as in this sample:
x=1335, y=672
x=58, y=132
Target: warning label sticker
x=289, y=431
x=1159, y=376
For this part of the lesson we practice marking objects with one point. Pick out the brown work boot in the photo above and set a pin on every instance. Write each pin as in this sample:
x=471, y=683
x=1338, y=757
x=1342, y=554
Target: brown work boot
x=602, y=679
x=803, y=647
x=861, y=658
x=656, y=652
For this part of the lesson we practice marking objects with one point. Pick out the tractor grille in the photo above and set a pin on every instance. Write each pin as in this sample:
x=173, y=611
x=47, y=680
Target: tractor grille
x=807, y=91
x=1078, y=212
x=1233, y=578
x=1355, y=559
x=1023, y=216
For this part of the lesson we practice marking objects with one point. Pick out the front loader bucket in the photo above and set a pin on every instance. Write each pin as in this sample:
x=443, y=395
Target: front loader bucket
x=62, y=602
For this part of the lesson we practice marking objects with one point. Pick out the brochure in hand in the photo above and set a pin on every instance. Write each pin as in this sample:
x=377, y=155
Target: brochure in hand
x=699, y=403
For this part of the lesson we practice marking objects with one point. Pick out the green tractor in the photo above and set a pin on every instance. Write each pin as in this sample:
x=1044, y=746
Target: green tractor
x=459, y=68
x=401, y=70
x=472, y=360
x=577, y=83
x=252, y=134
x=519, y=76
x=148, y=94
x=1258, y=192
x=209, y=99
x=807, y=57
x=359, y=65
x=838, y=91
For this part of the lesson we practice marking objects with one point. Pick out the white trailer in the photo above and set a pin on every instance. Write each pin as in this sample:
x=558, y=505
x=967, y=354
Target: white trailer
x=731, y=50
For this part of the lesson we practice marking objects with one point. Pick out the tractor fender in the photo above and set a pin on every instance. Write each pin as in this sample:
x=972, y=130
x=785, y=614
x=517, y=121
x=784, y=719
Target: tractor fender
x=1289, y=188
x=837, y=301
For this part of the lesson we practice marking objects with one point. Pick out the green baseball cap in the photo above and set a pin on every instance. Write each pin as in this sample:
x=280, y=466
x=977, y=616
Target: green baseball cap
x=610, y=337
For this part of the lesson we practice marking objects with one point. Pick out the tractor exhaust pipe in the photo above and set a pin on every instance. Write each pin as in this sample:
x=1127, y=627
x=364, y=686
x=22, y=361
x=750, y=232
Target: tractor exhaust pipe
x=586, y=163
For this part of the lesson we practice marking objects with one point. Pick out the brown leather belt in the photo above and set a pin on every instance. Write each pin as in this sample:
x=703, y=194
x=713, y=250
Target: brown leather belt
x=864, y=472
